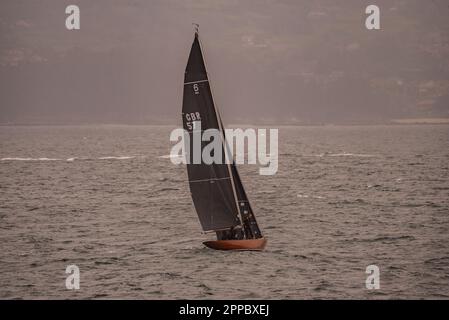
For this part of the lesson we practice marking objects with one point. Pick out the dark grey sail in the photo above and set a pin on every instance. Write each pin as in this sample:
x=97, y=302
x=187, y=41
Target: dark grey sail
x=210, y=184
x=217, y=191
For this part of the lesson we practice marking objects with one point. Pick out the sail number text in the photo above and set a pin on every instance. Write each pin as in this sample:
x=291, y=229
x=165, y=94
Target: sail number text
x=196, y=88
x=191, y=117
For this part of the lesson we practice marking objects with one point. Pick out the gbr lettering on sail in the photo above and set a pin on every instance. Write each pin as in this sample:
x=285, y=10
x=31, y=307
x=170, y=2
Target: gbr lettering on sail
x=191, y=118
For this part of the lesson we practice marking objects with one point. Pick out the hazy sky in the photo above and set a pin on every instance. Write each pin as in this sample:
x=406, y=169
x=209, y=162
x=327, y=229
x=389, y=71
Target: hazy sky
x=272, y=60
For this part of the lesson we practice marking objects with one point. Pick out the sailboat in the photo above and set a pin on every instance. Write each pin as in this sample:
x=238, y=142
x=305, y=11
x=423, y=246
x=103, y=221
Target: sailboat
x=217, y=191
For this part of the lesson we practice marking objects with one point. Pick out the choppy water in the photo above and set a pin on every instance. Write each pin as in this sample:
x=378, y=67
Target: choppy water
x=109, y=200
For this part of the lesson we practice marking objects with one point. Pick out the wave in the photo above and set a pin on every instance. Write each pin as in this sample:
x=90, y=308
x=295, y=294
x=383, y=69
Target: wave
x=388, y=239
x=167, y=189
x=342, y=154
x=345, y=154
x=116, y=158
x=169, y=156
x=30, y=159
x=307, y=196
x=67, y=159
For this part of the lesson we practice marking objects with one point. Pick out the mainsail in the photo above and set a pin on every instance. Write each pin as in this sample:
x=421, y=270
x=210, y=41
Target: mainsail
x=217, y=192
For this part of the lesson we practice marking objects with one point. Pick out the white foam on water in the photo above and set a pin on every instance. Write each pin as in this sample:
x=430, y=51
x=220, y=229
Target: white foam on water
x=15, y=159
x=29, y=159
x=116, y=158
x=67, y=159
x=344, y=154
x=307, y=196
x=169, y=156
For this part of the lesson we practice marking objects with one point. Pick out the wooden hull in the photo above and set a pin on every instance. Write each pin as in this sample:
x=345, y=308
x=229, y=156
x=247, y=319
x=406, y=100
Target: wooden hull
x=248, y=244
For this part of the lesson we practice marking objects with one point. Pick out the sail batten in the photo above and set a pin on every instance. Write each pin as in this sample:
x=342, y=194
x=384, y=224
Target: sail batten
x=199, y=81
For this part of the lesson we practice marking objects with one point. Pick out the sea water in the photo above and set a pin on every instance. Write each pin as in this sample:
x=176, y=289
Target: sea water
x=109, y=200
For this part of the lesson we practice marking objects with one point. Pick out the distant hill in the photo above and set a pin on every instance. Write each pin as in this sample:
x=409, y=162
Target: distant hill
x=283, y=61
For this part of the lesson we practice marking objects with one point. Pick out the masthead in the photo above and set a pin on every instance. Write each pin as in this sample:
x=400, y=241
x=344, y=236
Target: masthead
x=196, y=26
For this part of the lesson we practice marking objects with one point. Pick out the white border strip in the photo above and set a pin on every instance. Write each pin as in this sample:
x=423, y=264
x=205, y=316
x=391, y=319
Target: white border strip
x=214, y=179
